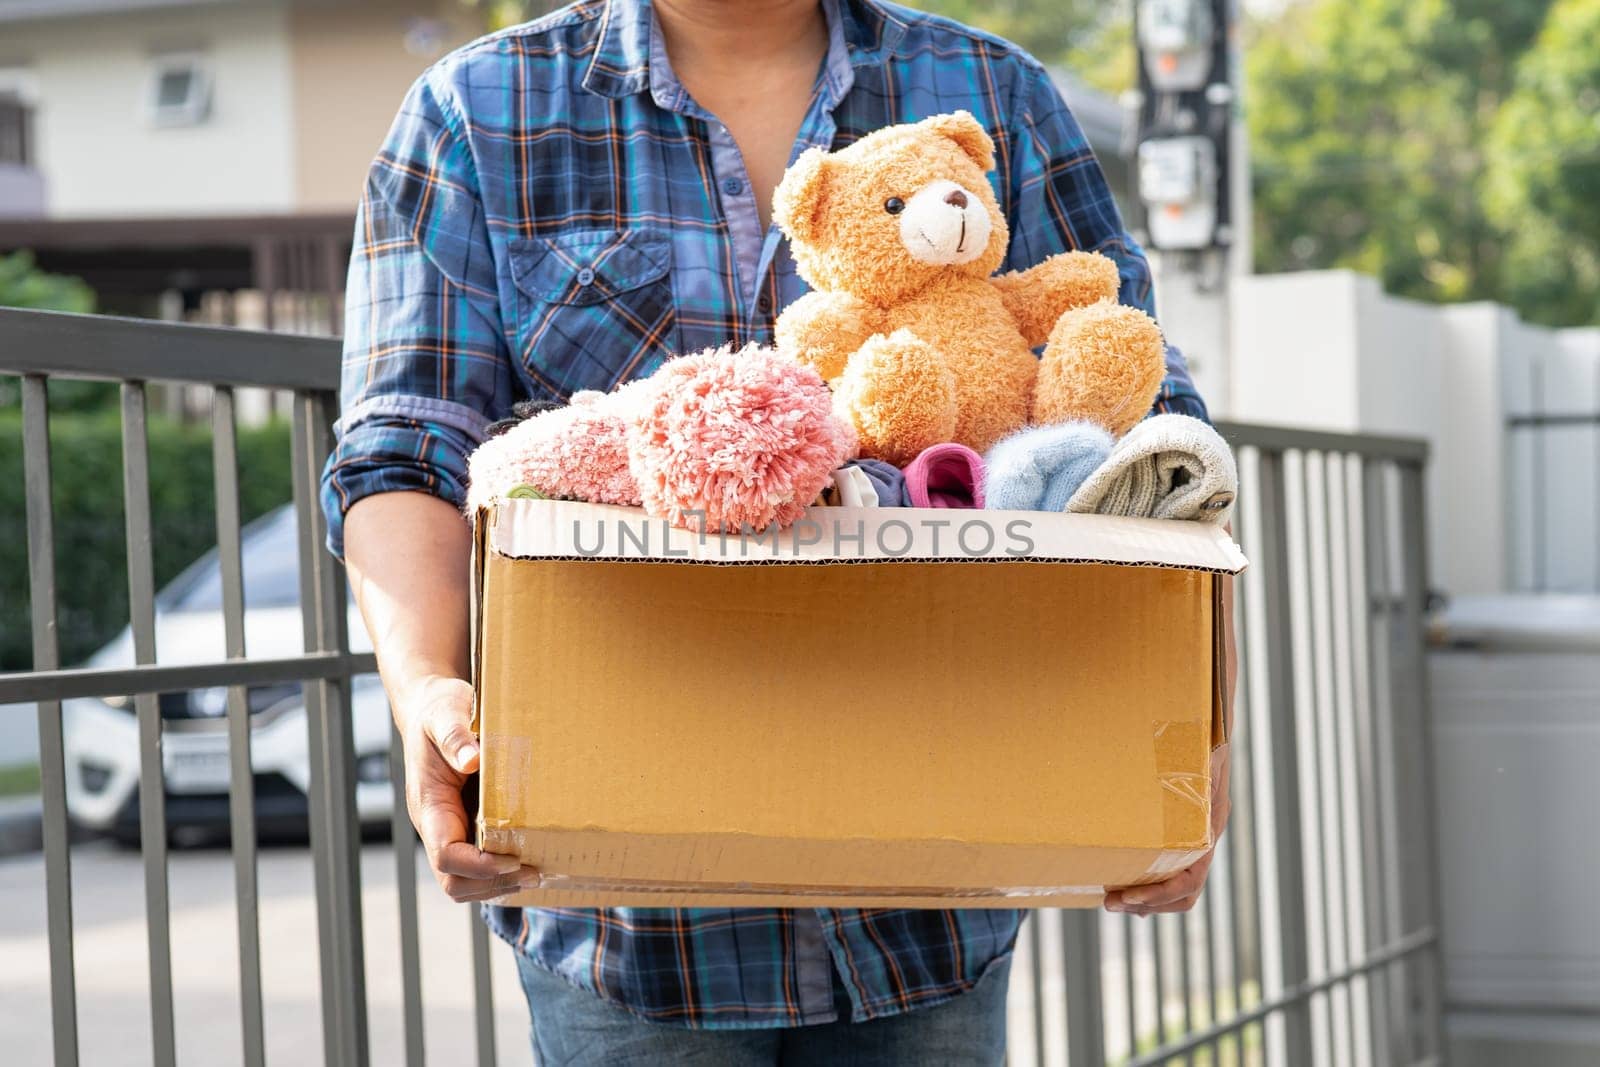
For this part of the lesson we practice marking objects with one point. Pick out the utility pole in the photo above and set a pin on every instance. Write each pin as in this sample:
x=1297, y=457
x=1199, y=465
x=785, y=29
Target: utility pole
x=1193, y=172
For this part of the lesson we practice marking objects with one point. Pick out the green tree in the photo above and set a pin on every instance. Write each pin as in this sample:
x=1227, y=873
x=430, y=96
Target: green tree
x=24, y=285
x=1373, y=129
x=1544, y=186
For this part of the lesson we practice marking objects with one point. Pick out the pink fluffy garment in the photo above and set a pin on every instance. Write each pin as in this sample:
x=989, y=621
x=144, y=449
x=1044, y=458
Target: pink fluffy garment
x=578, y=452
x=728, y=440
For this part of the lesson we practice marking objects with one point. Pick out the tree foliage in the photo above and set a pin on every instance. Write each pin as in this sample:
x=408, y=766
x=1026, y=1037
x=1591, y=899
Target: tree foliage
x=23, y=285
x=1544, y=182
x=1384, y=134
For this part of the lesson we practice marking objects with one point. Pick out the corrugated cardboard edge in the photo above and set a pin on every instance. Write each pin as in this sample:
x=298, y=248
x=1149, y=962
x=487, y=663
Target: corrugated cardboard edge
x=480, y=532
x=1219, y=665
x=1085, y=897
x=564, y=529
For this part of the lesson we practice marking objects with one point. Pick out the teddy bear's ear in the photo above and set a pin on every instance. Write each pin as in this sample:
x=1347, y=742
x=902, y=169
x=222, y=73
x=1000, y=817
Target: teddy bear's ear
x=797, y=202
x=968, y=134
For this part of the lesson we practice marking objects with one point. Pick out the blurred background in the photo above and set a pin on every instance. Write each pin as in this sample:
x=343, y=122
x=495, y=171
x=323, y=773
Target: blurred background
x=1375, y=218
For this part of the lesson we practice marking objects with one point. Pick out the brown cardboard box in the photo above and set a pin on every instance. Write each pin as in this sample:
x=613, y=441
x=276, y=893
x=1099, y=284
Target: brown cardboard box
x=876, y=707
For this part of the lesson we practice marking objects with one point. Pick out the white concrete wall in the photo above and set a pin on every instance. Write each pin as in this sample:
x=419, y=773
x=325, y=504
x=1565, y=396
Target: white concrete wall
x=1555, y=471
x=100, y=154
x=1510, y=509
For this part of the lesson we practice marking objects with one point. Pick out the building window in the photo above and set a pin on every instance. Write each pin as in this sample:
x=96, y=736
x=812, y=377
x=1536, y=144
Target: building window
x=16, y=131
x=180, y=90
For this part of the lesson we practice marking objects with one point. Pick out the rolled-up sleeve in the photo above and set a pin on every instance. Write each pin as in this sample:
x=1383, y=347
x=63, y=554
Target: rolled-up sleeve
x=426, y=366
x=1060, y=201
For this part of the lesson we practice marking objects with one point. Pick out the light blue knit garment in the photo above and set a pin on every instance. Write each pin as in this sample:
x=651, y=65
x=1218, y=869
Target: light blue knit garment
x=1038, y=469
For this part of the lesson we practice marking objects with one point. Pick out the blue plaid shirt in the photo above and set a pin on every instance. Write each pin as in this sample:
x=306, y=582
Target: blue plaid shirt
x=553, y=212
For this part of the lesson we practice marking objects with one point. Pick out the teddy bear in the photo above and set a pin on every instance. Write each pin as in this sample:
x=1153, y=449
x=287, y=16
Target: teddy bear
x=899, y=235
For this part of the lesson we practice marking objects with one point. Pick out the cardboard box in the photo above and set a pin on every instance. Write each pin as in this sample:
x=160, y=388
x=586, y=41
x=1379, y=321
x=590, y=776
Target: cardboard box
x=875, y=707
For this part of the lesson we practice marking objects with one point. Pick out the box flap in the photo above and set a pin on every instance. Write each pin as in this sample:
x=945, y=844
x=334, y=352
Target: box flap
x=560, y=529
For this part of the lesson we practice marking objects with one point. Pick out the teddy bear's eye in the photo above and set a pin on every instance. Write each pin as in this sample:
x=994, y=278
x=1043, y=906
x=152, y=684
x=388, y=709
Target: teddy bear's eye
x=894, y=205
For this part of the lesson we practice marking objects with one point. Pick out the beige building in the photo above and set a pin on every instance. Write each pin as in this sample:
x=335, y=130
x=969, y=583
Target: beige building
x=163, y=149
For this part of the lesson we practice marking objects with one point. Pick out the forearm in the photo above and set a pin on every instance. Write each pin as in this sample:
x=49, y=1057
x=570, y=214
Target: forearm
x=409, y=556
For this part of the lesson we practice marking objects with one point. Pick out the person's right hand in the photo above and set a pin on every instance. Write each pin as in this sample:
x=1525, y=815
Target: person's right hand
x=441, y=752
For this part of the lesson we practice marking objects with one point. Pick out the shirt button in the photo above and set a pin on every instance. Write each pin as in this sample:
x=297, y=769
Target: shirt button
x=733, y=186
x=764, y=304
x=586, y=276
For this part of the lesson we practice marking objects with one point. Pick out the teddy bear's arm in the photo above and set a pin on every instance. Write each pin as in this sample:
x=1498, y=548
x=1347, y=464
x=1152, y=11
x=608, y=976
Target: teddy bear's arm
x=823, y=330
x=1038, y=296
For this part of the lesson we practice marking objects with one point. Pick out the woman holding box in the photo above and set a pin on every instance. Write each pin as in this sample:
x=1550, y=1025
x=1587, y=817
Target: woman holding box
x=559, y=207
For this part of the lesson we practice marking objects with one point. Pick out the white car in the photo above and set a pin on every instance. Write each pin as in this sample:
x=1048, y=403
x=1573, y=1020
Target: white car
x=102, y=735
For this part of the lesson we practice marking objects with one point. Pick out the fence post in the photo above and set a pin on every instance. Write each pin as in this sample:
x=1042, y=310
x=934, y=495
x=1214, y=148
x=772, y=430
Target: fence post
x=1413, y=708
x=52, y=754
x=1080, y=937
x=152, y=778
x=1272, y=565
x=335, y=833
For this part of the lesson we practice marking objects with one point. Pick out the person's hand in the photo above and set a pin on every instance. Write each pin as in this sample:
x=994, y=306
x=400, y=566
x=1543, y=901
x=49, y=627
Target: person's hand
x=1180, y=892
x=441, y=752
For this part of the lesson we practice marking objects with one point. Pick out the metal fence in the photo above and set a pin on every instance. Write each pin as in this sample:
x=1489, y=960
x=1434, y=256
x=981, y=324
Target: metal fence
x=1315, y=943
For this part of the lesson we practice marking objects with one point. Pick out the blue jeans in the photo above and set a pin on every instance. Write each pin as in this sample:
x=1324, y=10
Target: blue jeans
x=574, y=1028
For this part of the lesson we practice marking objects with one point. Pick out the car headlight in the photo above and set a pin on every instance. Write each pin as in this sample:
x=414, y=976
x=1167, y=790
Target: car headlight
x=212, y=703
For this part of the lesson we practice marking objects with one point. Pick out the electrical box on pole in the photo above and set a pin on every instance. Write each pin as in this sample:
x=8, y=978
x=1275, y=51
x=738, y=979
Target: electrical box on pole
x=1185, y=118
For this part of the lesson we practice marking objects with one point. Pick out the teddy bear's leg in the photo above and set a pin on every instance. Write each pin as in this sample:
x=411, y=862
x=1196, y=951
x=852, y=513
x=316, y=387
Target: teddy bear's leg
x=1104, y=364
x=899, y=394
x=994, y=391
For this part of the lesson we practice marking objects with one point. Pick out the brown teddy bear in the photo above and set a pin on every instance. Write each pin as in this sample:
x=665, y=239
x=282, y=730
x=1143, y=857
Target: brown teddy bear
x=899, y=236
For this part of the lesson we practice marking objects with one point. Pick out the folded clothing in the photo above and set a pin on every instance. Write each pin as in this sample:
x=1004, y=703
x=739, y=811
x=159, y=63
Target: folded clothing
x=1167, y=467
x=945, y=476
x=1039, y=468
x=888, y=482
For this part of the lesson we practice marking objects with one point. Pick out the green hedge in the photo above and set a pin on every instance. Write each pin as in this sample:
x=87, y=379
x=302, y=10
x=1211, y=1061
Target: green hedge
x=91, y=564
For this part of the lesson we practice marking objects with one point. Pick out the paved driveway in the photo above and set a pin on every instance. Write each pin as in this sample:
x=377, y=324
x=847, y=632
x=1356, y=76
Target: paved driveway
x=113, y=998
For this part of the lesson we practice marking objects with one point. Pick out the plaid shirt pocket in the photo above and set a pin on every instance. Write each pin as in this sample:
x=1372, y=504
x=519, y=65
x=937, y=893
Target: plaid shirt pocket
x=594, y=307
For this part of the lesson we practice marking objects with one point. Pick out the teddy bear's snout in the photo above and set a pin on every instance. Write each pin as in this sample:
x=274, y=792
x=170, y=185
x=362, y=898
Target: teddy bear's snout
x=944, y=224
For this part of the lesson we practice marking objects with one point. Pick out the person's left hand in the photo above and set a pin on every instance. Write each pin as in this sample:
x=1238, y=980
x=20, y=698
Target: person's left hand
x=1180, y=892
